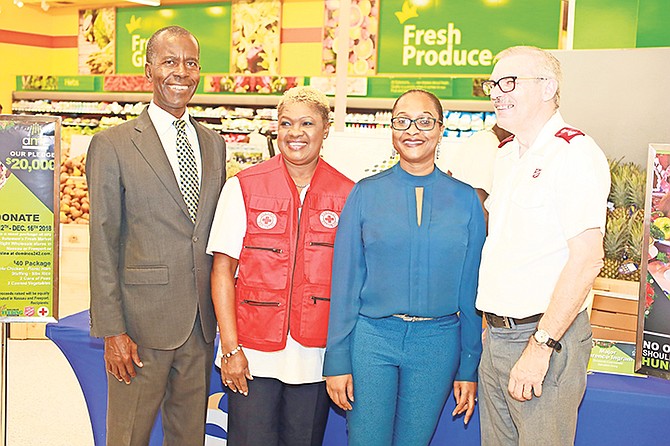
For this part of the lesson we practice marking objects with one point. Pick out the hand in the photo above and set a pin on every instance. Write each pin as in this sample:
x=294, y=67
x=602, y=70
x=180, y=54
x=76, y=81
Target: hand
x=341, y=390
x=528, y=373
x=465, y=393
x=120, y=354
x=235, y=373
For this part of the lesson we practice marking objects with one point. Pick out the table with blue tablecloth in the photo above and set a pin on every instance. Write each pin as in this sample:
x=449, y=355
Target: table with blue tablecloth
x=616, y=410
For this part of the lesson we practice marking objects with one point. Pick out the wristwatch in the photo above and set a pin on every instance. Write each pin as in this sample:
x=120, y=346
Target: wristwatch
x=542, y=337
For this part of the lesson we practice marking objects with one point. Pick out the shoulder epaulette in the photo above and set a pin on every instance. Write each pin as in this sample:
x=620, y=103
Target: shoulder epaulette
x=567, y=133
x=505, y=141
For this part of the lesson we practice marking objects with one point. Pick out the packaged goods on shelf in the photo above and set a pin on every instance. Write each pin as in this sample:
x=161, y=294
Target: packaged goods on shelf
x=462, y=124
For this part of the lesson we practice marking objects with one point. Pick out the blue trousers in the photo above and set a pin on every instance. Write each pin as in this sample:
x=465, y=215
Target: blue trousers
x=403, y=373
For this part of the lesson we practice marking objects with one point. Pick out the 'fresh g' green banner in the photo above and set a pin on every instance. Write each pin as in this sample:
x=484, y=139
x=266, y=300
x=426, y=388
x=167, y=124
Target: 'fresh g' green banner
x=460, y=37
x=210, y=23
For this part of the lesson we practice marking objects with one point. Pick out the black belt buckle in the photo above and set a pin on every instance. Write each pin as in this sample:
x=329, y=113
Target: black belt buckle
x=509, y=322
x=498, y=321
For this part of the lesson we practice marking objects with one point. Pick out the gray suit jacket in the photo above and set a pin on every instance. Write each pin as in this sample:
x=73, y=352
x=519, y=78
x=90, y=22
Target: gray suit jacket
x=150, y=274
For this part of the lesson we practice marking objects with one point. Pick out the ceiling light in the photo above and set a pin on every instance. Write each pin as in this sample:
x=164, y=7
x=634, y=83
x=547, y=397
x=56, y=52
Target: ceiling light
x=18, y=3
x=146, y=2
x=45, y=5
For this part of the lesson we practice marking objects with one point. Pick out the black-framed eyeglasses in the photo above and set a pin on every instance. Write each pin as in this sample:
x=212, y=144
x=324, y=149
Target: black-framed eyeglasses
x=423, y=124
x=506, y=84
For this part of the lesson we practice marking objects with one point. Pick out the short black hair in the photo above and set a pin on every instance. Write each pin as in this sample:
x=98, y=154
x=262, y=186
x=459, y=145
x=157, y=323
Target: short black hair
x=434, y=99
x=172, y=30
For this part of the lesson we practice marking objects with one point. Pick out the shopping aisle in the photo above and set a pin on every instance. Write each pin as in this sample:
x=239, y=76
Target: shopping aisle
x=45, y=403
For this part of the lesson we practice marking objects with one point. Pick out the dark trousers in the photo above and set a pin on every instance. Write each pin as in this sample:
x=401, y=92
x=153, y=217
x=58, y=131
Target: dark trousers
x=278, y=414
x=174, y=381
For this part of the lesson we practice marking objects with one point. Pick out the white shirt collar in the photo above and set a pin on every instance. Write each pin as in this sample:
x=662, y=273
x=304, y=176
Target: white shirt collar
x=163, y=121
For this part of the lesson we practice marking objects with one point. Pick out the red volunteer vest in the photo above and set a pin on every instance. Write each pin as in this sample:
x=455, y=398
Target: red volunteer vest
x=285, y=264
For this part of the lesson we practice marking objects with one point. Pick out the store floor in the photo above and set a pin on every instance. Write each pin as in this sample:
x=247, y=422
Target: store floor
x=45, y=403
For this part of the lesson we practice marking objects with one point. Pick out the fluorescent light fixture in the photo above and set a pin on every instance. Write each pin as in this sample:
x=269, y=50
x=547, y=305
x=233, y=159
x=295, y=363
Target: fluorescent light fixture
x=146, y=2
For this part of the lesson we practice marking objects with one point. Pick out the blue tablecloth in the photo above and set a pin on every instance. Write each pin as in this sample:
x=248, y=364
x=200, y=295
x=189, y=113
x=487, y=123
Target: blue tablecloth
x=617, y=410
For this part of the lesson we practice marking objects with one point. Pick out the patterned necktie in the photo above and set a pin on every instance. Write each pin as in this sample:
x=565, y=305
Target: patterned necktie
x=188, y=171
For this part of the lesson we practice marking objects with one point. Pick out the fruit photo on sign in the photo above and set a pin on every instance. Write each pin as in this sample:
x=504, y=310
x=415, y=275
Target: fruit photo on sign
x=364, y=25
x=4, y=174
x=96, y=41
x=30, y=82
x=255, y=36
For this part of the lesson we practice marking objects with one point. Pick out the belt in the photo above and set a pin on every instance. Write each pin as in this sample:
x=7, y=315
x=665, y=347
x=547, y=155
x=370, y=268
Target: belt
x=509, y=322
x=408, y=318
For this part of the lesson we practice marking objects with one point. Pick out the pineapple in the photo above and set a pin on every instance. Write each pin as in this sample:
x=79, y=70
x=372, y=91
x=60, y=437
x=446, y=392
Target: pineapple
x=636, y=188
x=614, y=244
x=618, y=196
x=634, y=243
x=625, y=222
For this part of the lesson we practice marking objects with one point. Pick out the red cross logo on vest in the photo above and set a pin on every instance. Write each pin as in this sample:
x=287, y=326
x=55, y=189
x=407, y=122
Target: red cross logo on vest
x=329, y=219
x=266, y=220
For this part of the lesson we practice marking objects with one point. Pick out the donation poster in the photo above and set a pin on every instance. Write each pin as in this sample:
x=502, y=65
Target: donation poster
x=653, y=337
x=29, y=157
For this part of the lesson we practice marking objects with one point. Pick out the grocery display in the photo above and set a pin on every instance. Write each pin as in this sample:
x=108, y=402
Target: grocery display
x=625, y=222
x=247, y=128
x=74, y=205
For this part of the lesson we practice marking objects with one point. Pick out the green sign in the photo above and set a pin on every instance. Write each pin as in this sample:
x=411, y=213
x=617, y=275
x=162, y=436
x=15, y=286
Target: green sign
x=612, y=357
x=29, y=153
x=209, y=22
x=461, y=37
x=443, y=87
x=76, y=83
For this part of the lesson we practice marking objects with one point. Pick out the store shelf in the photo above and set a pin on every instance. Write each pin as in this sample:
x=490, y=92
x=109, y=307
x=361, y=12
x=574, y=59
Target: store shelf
x=200, y=99
x=249, y=100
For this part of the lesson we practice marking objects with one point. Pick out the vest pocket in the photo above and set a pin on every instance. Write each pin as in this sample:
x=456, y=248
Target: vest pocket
x=260, y=316
x=260, y=303
x=315, y=308
x=319, y=259
x=264, y=265
x=316, y=299
x=267, y=215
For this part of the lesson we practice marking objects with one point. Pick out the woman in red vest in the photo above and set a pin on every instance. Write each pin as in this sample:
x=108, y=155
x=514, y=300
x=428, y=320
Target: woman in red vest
x=272, y=242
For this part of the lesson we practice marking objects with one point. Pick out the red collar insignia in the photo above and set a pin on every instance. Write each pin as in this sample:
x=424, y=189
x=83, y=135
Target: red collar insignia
x=568, y=133
x=505, y=141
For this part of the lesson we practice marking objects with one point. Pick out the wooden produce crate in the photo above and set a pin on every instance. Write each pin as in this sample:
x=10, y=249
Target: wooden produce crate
x=614, y=309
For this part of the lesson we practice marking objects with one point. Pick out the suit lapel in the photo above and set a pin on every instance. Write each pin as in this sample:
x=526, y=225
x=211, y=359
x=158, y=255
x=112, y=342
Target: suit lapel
x=148, y=143
x=208, y=157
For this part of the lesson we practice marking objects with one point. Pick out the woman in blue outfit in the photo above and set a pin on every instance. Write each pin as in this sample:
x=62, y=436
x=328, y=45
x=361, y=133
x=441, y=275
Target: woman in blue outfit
x=403, y=327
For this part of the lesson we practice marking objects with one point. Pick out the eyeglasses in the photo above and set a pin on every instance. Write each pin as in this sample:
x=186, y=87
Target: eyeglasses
x=506, y=84
x=423, y=124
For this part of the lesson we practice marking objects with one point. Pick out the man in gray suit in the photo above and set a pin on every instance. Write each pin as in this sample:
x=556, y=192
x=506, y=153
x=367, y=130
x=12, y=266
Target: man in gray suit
x=153, y=191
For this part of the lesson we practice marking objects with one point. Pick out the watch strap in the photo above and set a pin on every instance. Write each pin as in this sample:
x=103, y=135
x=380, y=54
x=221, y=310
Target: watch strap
x=553, y=343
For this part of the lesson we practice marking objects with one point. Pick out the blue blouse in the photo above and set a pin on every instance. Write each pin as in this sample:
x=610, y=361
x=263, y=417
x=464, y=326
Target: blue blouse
x=385, y=263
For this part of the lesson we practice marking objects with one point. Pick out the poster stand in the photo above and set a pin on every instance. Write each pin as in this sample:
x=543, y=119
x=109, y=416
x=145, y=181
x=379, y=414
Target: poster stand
x=653, y=330
x=29, y=229
x=3, y=383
